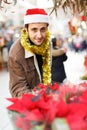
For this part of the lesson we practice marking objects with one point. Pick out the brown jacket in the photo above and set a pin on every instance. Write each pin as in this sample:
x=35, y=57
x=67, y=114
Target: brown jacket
x=22, y=71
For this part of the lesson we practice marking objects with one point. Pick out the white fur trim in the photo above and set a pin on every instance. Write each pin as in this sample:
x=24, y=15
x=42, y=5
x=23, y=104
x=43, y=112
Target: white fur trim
x=36, y=19
x=30, y=54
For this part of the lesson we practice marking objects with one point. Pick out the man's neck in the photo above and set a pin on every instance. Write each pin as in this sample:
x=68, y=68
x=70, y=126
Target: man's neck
x=31, y=42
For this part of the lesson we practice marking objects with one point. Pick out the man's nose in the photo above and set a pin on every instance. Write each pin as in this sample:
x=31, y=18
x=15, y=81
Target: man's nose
x=39, y=34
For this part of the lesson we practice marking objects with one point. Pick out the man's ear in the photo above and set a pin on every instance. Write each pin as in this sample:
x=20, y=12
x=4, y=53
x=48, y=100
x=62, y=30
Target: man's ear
x=26, y=29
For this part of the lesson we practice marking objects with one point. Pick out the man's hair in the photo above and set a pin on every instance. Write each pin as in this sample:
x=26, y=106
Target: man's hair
x=26, y=26
x=53, y=42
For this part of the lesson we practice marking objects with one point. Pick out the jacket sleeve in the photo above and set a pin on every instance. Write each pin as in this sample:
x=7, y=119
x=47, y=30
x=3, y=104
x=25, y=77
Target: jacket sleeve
x=18, y=84
x=63, y=57
x=57, y=52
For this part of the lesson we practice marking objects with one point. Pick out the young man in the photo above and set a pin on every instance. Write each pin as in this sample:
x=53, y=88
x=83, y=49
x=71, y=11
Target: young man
x=29, y=57
x=29, y=60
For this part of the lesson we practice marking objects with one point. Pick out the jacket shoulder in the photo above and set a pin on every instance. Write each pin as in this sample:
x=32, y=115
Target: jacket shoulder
x=16, y=49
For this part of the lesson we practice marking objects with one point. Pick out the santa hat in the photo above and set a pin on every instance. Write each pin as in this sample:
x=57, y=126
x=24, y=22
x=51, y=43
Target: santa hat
x=36, y=15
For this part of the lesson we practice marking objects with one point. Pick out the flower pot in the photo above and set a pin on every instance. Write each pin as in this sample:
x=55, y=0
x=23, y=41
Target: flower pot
x=13, y=116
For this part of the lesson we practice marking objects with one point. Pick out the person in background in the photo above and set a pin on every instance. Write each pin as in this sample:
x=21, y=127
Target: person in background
x=1, y=51
x=10, y=34
x=58, y=69
x=77, y=40
x=4, y=52
x=84, y=43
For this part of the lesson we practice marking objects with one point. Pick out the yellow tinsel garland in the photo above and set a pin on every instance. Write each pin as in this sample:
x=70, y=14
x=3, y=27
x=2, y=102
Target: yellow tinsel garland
x=43, y=49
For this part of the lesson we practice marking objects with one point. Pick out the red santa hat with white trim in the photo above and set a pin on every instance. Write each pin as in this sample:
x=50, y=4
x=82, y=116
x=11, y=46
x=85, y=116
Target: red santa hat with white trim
x=36, y=15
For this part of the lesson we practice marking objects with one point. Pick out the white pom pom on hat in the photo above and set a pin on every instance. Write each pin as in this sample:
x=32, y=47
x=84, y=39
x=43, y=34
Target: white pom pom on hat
x=36, y=15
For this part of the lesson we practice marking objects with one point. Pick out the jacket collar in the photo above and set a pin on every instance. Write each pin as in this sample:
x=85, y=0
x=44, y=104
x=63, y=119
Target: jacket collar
x=28, y=54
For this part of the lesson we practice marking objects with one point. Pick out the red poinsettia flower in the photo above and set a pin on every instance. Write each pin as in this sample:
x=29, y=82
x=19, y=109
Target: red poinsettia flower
x=62, y=109
x=66, y=91
x=83, y=97
x=27, y=102
x=35, y=115
x=50, y=102
x=17, y=105
x=77, y=117
x=50, y=113
x=23, y=123
x=76, y=122
x=33, y=102
x=55, y=86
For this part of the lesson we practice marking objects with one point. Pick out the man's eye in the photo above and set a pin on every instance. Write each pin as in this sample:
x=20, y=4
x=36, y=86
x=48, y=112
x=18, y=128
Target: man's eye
x=43, y=29
x=34, y=29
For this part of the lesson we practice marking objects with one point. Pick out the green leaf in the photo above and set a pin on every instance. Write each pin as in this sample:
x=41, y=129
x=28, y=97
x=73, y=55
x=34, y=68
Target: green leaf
x=39, y=127
x=83, y=77
x=60, y=124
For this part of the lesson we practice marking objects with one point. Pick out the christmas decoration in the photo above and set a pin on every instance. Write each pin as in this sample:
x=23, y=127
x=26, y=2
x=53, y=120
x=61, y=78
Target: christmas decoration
x=53, y=107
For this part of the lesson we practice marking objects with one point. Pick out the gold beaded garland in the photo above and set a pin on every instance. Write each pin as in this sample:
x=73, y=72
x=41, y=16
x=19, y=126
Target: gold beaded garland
x=44, y=50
